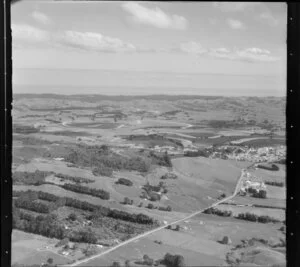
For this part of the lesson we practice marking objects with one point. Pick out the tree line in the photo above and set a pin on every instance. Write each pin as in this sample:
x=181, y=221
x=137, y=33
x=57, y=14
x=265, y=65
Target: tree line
x=55, y=202
x=100, y=193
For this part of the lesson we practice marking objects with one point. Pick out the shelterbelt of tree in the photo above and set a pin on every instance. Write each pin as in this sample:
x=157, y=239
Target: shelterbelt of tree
x=26, y=200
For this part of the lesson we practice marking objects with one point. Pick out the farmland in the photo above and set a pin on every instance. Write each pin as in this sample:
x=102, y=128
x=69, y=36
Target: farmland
x=101, y=171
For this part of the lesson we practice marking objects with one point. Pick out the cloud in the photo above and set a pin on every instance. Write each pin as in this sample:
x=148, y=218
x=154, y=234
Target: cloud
x=154, y=17
x=235, y=24
x=249, y=54
x=192, y=48
x=41, y=18
x=94, y=42
x=268, y=18
x=29, y=34
x=235, y=6
x=90, y=41
x=253, y=54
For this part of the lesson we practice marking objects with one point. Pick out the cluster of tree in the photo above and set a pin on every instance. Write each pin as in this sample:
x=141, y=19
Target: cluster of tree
x=168, y=208
x=169, y=175
x=280, y=184
x=256, y=218
x=149, y=188
x=223, y=195
x=83, y=205
x=43, y=225
x=73, y=178
x=130, y=217
x=224, y=213
x=49, y=226
x=24, y=129
x=161, y=159
x=31, y=196
x=152, y=196
x=258, y=194
x=151, y=191
x=29, y=200
x=83, y=236
x=225, y=124
x=87, y=190
x=33, y=205
x=150, y=206
x=170, y=113
x=198, y=153
x=127, y=201
x=124, y=181
x=104, y=161
x=269, y=167
x=143, y=137
x=147, y=260
x=102, y=170
x=173, y=260
x=62, y=242
x=30, y=178
x=177, y=228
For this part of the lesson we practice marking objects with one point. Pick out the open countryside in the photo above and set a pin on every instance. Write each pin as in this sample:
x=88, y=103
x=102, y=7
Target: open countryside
x=111, y=195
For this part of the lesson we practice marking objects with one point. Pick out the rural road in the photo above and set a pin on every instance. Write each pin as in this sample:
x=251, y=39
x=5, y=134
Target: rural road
x=237, y=187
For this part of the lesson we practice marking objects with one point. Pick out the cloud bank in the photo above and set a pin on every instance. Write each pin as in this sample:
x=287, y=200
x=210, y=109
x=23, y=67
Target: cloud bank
x=96, y=42
x=253, y=54
x=154, y=17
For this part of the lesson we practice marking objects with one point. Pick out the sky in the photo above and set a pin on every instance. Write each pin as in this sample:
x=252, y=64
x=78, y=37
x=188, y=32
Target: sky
x=71, y=47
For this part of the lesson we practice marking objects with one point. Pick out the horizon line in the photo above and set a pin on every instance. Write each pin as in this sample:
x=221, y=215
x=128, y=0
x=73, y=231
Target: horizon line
x=144, y=71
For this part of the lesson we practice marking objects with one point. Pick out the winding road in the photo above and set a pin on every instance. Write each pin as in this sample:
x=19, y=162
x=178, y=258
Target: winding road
x=236, y=190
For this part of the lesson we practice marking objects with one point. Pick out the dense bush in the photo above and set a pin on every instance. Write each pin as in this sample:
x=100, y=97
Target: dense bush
x=104, y=161
x=33, y=205
x=198, y=153
x=42, y=225
x=30, y=178
x=168, y=208
x=87, y=190
x=260, y=194
x=150, y=206
x=148, y=188
x=127, y=201
x=255, y=218
x=124, y=181
x=173, y=260
x=147, y=260
x=31, y=196
x=74, y=178
x=280, y=184
x=24, y=129
x=271, y=167
x=169, y=176
x=154, y=196
x=83, y=236
x=224, y=213
x=131, y=217
x=102, y=170
x=161, y=159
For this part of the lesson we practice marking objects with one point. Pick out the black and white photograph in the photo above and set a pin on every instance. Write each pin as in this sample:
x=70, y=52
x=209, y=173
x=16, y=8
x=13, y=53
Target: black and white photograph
x=148, y=133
